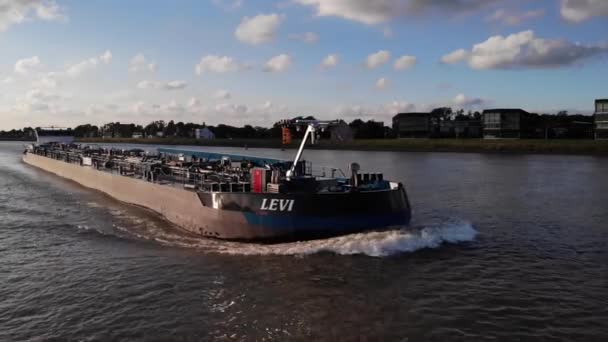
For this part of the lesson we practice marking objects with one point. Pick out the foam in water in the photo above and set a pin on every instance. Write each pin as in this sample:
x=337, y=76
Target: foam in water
x=375, y=244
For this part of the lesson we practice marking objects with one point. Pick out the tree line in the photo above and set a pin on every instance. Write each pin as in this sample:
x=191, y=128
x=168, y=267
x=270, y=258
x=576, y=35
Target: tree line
x=361, y=129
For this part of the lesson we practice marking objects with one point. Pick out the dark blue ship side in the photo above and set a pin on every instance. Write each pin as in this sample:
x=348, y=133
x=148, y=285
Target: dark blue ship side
x=314, y=215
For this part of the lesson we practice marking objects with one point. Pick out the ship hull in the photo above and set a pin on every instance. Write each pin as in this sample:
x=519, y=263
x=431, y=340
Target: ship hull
x=246, y=216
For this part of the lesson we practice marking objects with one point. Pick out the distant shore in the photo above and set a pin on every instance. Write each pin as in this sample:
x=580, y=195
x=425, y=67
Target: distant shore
x=537, y=146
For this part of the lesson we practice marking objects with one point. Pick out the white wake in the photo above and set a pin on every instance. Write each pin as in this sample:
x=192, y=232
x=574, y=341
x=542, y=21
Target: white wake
x=375, y=244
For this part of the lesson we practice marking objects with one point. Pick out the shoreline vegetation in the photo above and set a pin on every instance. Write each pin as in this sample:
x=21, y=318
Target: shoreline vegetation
x=532, y=146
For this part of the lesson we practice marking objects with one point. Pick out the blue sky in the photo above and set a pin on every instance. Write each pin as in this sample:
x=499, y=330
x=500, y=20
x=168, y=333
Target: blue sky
x=72, y=62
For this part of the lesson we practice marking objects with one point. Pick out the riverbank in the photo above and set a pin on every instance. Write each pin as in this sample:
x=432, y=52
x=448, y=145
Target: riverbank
x=585, y=147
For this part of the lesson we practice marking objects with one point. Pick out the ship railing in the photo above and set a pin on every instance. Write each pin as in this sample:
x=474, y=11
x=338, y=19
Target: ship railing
x=211, y=181
x=325, y=172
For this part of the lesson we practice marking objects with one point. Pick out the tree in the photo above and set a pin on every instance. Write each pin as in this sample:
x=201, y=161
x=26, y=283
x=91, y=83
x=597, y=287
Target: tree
x=170, y=130
x=443, y=113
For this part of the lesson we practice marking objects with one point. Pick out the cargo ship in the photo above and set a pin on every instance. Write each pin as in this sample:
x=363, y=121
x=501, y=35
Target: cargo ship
x=234, y=197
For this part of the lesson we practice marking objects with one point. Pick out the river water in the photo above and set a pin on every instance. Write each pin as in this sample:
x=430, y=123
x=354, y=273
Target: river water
x=501, y=247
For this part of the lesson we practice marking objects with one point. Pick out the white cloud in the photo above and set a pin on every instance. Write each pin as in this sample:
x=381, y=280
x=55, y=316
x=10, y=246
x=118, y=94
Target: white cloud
x=513, y=18
x=6, y=80
x=455, y=56
x=372, y=12
x=377, y=59
x=19, y=11
x=228, y=4
x=89, y=64
x=308, y=37
x=145, y=84
x=464, y=101
x=364, y=11
x=138, y=107
x=259, y=29
x=106, y=58
x=38, y=100
x=175, y=85
x=79, y=68
x=330, y=61
x=397, y=107
x=278, y=63
x=173, y=107
x=405, y=62
x=231, y=109
x=218, y=64
x=47, y=81
x=222, y=94
x=28, y=65
x=523, y=50
x=194, y=103
x=140, y=63
x=580, y=10
x=382, y=83
x=172, y=85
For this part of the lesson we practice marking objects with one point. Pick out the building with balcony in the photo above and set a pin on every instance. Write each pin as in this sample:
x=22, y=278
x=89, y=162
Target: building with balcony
x=600, y=118
x=506, y=123
x=416, y=125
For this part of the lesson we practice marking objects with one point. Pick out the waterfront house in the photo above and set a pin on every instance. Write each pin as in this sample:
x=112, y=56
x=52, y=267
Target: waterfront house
x=600, y=117
x=506, y=123
x=416, y=125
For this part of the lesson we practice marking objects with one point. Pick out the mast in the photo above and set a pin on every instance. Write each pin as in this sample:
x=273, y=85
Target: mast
x=312, y=126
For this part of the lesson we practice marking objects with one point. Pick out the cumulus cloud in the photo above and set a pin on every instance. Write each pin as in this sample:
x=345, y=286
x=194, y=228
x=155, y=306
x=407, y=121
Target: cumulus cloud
x=140, y=63
x=364, y=11
x=194, y=103
x=523, y=50
x=28, y=65
x=228, y=4
x=514, y=18
x=382, y=112
x=378, y=59
x=46, y=81
x=397, y=107
x=89, y=64
x=231, y=109
x=464, y=101
x=172, y=85
x=222, y=94
x=372, y=12
x=106, y=58
x=259, y=29
x=145, y=84
x=405, y=63
x=218, y=64
x=455, y=56
x=308, y=37
x=38, y=100
x=580, y=10
x=382, y=83
x=175, y=85
x=278, y=63
x=19, y=11
x=330, y=61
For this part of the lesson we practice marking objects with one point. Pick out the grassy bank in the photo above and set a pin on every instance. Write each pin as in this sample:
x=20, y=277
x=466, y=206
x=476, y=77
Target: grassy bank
x=589, y=147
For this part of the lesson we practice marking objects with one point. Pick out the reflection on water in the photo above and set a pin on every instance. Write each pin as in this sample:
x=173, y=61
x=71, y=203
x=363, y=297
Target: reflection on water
x=508, y=247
